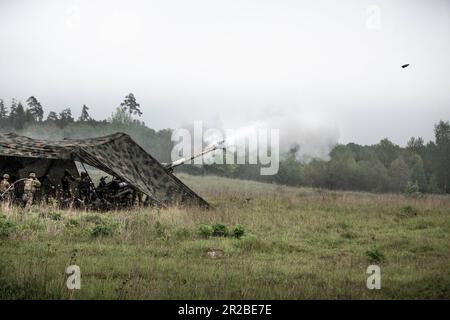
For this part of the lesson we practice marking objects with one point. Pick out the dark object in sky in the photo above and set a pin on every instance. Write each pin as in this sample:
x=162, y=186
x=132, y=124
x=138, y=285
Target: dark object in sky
x=405, y=65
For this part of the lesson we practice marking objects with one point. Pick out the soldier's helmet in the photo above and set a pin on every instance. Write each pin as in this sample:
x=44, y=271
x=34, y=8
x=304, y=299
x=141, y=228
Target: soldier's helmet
x=6, y=176
x=32, y=175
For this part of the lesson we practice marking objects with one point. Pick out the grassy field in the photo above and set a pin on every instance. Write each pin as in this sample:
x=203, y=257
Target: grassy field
x=298, y=243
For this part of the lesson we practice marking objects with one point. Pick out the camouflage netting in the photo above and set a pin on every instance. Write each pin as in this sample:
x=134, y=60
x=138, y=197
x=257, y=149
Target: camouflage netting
x=116, y=154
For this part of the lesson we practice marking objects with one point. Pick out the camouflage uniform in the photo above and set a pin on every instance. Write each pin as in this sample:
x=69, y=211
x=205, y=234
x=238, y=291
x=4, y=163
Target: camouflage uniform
x=31, y=184
x=4, y=186
x=84, y=187
x=66, y=185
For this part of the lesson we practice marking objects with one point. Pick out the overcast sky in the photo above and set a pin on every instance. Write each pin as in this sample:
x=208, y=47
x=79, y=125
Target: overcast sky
x=334, y=64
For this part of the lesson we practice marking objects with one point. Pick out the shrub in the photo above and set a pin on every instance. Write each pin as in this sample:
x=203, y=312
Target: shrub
x=102, y=229
x=375, y=255
x=6, y=227
x=72, y=223
x=220, y=230
x=205, y=230
x=238, y=231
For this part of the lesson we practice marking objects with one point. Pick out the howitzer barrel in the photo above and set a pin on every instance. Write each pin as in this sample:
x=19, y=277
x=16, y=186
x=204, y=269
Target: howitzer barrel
x=179, y=162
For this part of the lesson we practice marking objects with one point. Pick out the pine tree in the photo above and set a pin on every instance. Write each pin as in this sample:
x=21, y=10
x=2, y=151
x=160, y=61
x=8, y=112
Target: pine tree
x=65, y=117
x=52, y=116
x=3, y=110
x=13, y=108
x=17, y=115
x=35, y=109
x=131, y=104
x=84, y=114
x=29, y=117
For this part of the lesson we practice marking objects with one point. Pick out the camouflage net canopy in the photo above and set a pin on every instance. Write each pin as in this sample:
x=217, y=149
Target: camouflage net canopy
x=116, y=154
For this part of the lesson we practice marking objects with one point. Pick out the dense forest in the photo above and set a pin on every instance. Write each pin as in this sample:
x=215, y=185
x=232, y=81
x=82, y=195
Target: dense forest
x=384, y=167
x=29, y=120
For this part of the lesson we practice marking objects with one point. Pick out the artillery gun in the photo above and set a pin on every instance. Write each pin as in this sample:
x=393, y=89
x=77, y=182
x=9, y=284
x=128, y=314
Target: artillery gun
x=171, y=166
x=119, y=194
x=114, y=194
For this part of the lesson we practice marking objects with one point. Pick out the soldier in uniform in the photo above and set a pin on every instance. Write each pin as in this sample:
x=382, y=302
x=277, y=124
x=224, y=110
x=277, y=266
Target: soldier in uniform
x=65, y=184
x=48, y=189
x=84, y=187
x=31, y=185
x=6, y=190
x=136, y=198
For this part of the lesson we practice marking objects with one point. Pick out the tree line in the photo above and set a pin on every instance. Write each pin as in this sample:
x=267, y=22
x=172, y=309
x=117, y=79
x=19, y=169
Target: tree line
x=28, y=119
x=18, y=116
x=382, y=167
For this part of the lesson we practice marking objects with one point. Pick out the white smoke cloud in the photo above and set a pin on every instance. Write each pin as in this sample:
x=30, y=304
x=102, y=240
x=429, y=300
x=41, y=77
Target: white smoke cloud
x=311, y=135
x=315, y=137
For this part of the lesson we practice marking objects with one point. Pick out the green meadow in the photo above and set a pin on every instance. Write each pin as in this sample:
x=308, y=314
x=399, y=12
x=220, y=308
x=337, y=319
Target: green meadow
x=259, y=241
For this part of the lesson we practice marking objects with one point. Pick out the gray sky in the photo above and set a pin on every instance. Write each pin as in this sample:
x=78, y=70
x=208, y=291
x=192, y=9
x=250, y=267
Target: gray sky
x=320, y=64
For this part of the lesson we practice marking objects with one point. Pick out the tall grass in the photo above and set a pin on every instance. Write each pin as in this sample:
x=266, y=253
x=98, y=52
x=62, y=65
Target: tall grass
x=298, y=243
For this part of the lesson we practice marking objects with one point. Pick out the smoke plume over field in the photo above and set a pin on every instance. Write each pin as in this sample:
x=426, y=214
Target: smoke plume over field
x=306, y=136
